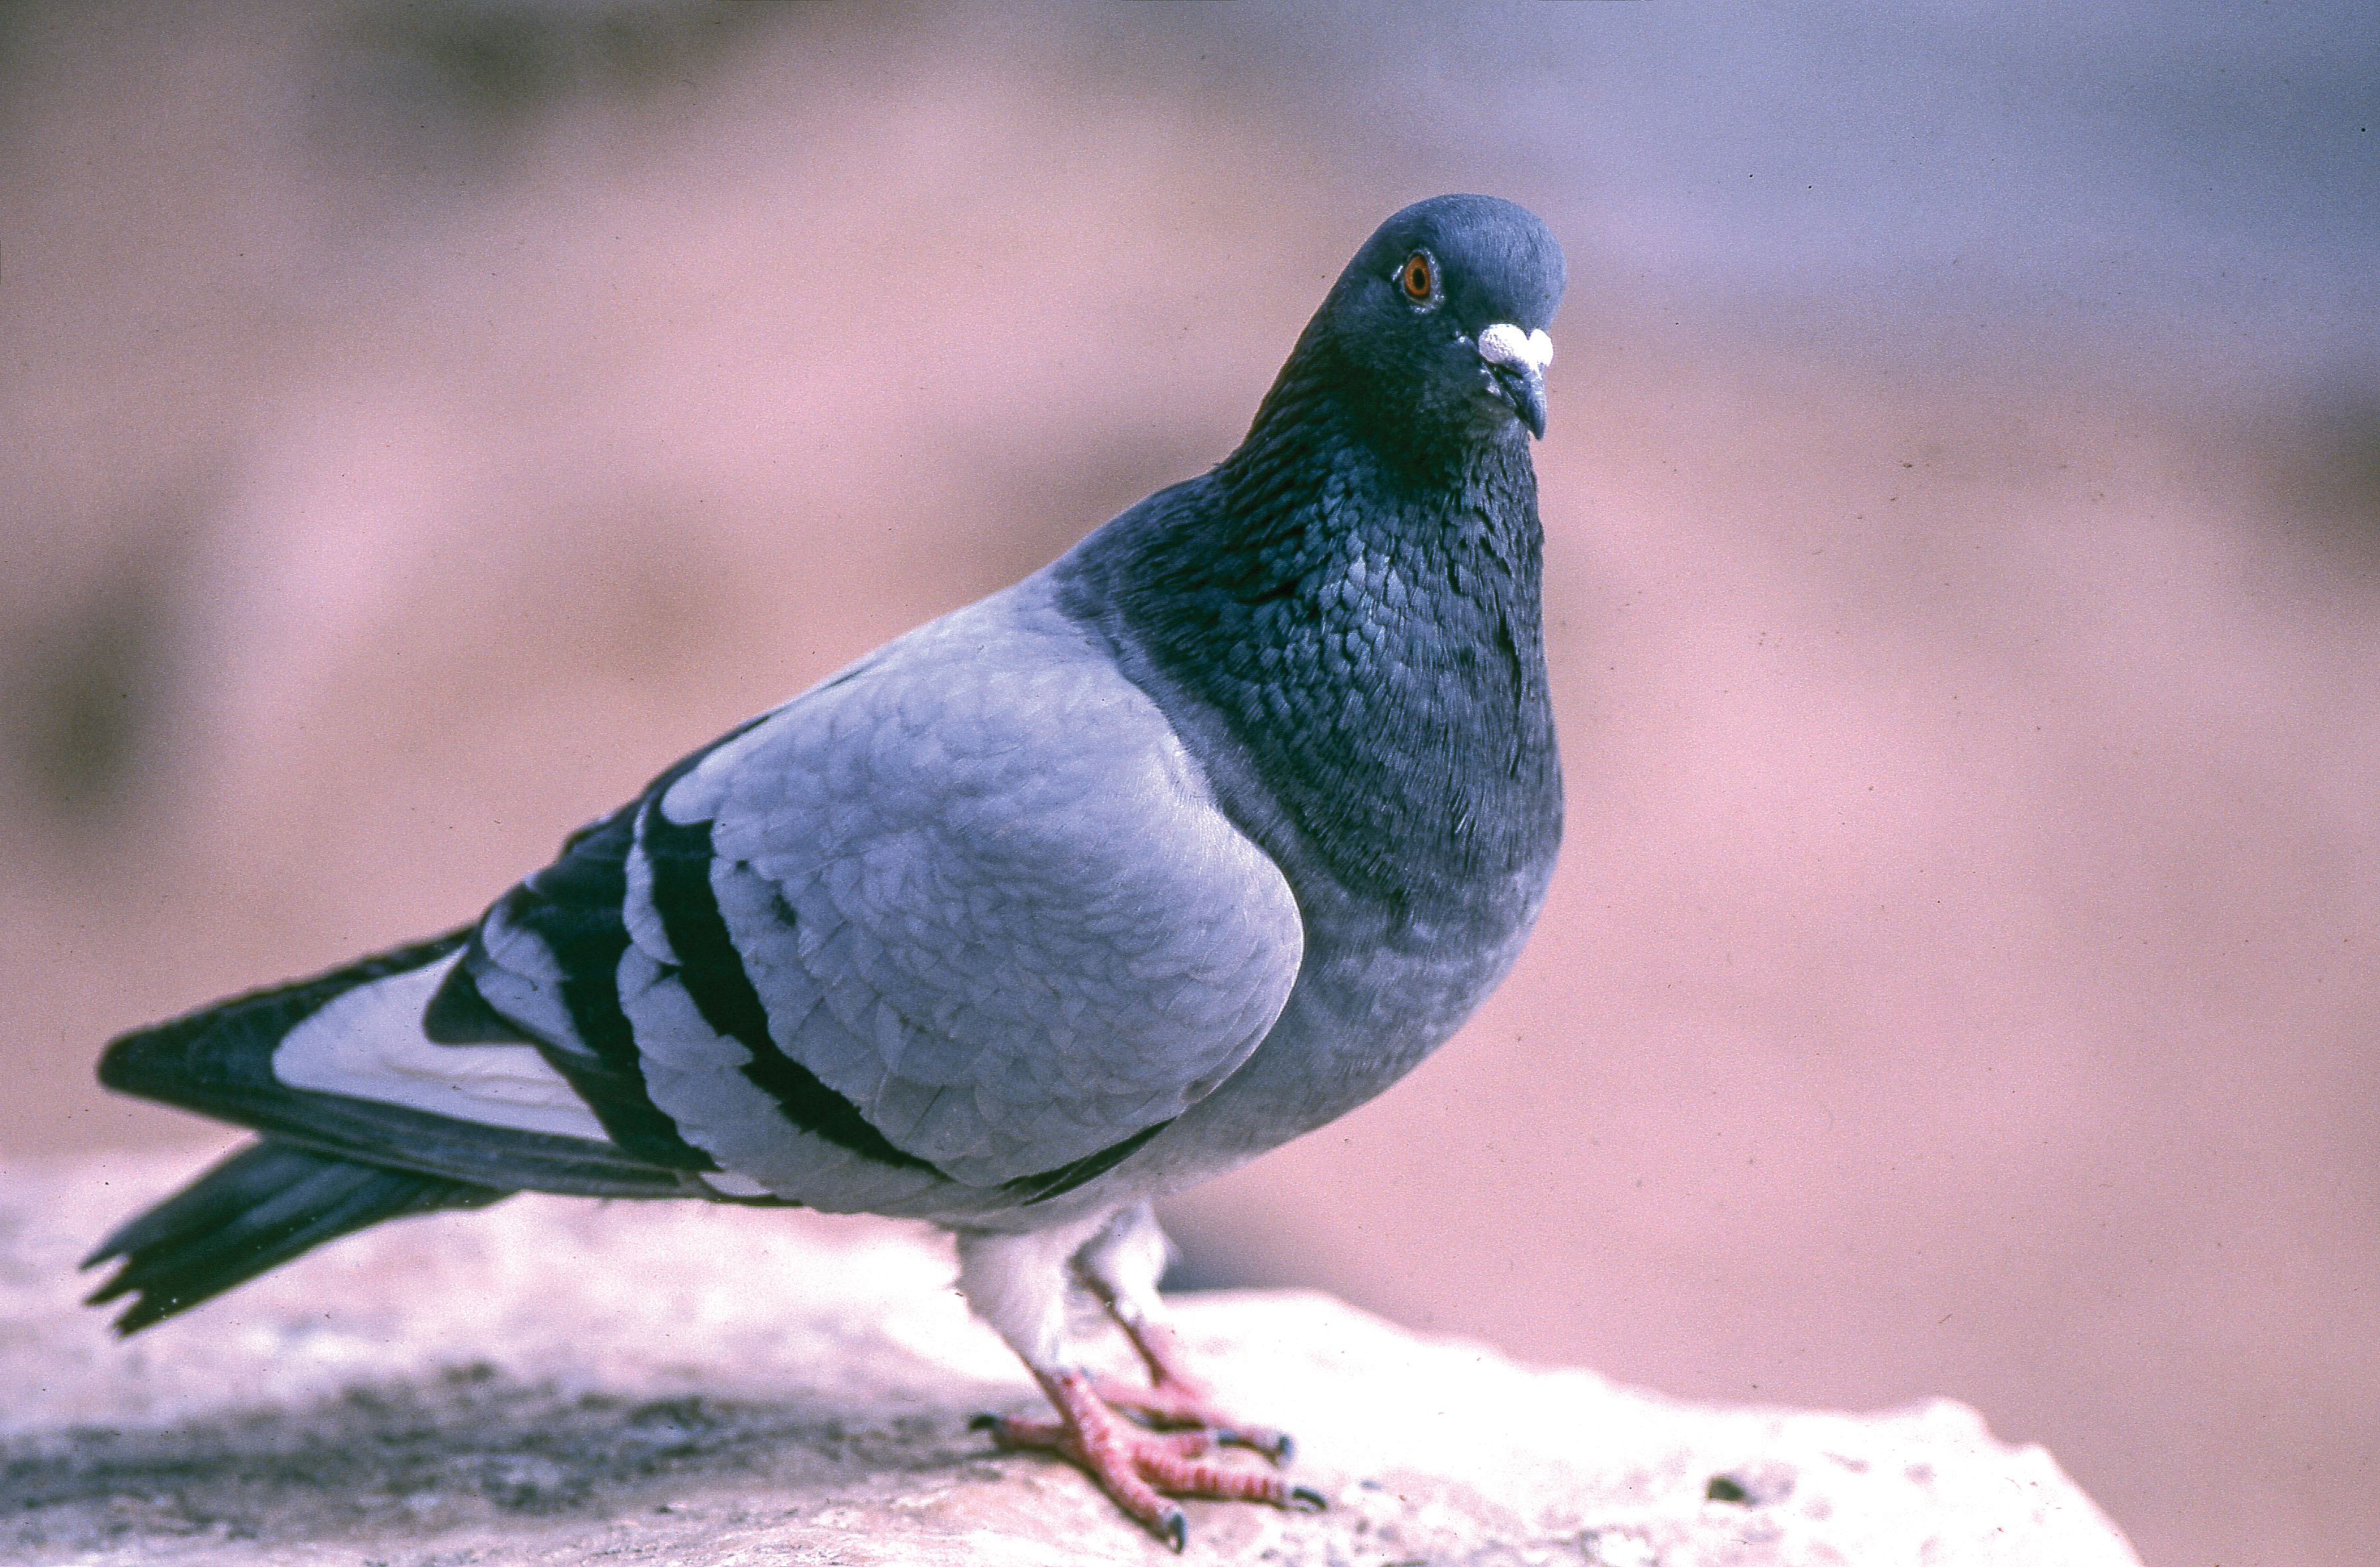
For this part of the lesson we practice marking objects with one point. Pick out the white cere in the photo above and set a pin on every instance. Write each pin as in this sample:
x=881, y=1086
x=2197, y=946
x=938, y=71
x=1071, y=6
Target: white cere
x=1505, y=343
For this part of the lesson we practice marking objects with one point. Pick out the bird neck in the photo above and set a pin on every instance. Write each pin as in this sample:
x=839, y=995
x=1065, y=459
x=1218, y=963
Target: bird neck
x=1366, y=624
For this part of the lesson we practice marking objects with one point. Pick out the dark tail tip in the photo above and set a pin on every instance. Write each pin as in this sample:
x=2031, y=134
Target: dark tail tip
x=267, y=1203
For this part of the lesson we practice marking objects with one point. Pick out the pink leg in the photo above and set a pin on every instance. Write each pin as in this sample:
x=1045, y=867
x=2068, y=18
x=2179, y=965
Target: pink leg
x=1135, y=1465
x=1175, y=1395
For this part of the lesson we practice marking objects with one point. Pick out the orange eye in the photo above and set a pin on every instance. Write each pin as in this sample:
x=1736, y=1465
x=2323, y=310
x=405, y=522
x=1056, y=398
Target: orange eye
x=1418, y=278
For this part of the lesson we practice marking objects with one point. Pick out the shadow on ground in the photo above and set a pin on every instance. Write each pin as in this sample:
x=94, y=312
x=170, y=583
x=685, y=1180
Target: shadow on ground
x=473, y=1447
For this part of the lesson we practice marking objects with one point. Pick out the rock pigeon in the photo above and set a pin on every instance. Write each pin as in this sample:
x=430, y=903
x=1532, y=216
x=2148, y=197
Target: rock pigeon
x=1189, y=843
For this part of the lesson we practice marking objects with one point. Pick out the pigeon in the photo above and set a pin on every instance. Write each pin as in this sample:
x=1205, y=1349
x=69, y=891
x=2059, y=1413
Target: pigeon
x=1182, y=846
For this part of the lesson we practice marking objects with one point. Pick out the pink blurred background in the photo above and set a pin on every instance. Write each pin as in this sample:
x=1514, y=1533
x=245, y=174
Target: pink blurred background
x=423, y=422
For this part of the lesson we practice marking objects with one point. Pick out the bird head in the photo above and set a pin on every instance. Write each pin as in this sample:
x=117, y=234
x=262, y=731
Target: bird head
x=1439, y=322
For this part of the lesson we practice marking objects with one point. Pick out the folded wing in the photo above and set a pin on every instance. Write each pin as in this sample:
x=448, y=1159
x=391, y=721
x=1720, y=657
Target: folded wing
x=966, y=914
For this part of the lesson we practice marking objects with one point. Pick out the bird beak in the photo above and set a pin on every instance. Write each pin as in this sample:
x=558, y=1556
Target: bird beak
x=1516, y=360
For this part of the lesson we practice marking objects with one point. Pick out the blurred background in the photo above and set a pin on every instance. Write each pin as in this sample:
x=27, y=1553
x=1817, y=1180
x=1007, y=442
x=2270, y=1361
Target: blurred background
x=424, y=421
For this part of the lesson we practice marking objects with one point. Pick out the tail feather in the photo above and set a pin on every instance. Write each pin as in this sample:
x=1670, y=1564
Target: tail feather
x=366, y=1117
x=265, y=1204
x=221, y=1060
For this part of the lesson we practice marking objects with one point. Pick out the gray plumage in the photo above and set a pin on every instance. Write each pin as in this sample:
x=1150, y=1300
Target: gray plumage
x=1182, y=846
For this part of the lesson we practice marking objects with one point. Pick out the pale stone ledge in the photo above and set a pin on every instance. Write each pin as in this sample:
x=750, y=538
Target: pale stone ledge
x=552, y=1381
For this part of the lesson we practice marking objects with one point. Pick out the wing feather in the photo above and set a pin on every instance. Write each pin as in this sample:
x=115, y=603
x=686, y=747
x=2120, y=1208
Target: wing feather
x=978, y=892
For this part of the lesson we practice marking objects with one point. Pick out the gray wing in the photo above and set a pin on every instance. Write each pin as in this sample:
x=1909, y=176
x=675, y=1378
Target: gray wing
x=972, y=892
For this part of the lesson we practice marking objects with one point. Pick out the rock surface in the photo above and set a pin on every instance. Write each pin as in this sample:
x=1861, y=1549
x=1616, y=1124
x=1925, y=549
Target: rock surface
x=557, y=1381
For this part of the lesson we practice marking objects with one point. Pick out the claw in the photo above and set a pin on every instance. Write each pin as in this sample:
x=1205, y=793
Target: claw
x=1174, y=1397
x=1134, y=1466
x=1275, y=1445
x=1176, y=1403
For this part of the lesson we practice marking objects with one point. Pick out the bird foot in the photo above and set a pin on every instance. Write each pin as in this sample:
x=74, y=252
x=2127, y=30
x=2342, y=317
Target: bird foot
x=1141, y=1468
x=1175, y=1395
x=1174, y=1404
